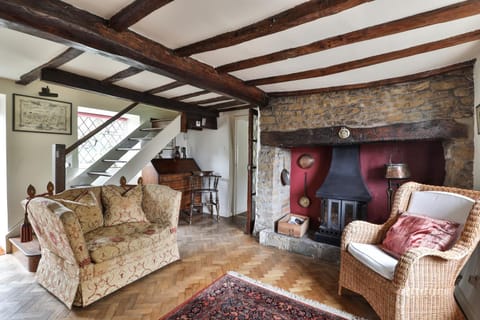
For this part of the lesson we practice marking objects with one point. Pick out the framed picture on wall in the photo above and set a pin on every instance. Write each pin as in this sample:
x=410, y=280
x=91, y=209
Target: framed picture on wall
x=477, y=115
x=32, y=114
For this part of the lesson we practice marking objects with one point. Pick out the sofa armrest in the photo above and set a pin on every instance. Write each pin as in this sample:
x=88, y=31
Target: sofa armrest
x=58, y=230
x=161, y=204
x=427, y=267
x=362, y=232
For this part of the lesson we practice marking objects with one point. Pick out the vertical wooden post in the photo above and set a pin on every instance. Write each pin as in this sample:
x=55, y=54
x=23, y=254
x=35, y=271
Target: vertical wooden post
x=58, y=156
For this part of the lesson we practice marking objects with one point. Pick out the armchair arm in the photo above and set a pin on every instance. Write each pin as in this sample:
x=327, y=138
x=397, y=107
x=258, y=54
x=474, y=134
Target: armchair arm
x=161, y=204
x=425, y=267
x=363, y=232
x=58, y=230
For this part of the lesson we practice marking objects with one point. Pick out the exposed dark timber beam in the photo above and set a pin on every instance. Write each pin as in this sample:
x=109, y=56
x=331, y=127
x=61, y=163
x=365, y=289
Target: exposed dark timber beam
x=411, y=77
x=449, y=13
x=389, y=56
x=134, y=12
x=64, y=57
x=426, y=130
x=166, y=87
x=225, y=105
x=59, y=21
x=122, y=75
x=247, y=106
x=191, y=95
x=80, y=82
x=213, y=100
x=298, y=15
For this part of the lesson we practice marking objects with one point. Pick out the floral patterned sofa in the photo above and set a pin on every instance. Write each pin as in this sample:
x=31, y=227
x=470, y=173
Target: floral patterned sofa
x=96, y=240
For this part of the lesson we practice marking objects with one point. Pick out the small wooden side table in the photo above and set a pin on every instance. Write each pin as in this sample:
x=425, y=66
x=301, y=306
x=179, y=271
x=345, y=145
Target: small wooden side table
x=28, y=253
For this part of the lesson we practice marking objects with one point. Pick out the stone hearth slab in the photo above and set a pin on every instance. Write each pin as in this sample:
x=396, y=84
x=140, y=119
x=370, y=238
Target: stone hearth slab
x=304, y=245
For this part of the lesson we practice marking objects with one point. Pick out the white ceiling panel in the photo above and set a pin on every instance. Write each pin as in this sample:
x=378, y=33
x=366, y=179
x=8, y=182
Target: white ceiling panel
x=93, y=66
x=20, y=53
x=194, y=20
x=366, y=15
x=104, y=8
x=180, y=91
x=362, y=50
x=144, y=81
x=396, y=68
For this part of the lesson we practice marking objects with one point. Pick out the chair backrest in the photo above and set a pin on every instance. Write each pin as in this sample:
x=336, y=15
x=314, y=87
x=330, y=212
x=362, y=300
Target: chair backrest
x=441, y=205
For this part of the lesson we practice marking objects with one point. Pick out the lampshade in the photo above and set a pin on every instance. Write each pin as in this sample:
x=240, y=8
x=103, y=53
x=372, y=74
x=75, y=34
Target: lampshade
x=397, y=171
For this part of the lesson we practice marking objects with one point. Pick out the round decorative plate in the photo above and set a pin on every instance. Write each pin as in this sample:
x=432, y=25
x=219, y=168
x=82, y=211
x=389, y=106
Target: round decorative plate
x=305, y=161
x=343, y=133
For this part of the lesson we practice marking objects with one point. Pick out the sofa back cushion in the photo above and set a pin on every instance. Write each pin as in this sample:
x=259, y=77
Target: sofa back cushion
x=122, y=205
x=441, y=205
x=87, y=209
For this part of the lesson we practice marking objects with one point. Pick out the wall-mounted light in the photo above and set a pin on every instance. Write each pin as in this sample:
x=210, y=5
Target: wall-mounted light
x=45, y=92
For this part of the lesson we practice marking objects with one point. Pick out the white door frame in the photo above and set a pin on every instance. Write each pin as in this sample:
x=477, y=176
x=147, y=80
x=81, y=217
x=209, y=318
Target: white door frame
x=240, y=167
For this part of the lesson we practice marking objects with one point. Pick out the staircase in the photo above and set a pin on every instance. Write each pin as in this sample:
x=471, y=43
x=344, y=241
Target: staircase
x=129, y=156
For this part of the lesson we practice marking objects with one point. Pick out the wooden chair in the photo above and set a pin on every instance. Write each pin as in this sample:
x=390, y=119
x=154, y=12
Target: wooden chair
x=204, y=192
x=423, y=280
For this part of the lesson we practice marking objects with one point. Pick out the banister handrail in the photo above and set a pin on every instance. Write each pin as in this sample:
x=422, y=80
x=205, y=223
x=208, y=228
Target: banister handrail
x=60, y=151
x=99, y=128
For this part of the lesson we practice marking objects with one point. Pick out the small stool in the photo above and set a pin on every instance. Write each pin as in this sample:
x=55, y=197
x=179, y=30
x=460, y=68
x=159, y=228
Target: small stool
x=204, y=192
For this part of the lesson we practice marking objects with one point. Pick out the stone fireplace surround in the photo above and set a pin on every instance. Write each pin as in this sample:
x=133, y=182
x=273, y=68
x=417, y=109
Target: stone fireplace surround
x=439, y=107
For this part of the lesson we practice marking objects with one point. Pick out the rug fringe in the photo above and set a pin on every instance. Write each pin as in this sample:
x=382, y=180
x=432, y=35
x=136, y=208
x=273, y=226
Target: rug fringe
x=288, y=294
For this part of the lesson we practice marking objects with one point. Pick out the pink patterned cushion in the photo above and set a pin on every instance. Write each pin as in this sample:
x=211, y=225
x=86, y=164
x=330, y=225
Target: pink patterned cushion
x=121, y=206
x=413, y=231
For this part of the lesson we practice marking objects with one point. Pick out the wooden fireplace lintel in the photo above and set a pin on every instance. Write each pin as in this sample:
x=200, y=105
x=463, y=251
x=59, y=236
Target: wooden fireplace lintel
x=442, y=129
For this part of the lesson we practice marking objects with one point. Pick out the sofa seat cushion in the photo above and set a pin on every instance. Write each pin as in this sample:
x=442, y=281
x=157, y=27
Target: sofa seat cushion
x=110, y=242
x=373, y=257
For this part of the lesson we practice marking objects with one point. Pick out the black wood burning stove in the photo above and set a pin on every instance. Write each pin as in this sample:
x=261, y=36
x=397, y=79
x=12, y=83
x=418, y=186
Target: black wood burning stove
x=344, y=195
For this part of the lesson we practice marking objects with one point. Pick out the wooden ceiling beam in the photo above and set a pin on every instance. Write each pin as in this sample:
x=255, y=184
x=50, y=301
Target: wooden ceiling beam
x=303, y=13
x=365, y=62
x=80, y=82
x=54, y=19
x=61, y=59
x=191, y=95
x=213, y=100
x=131, y=71
x=445, y=14
x=225, y=105
x=134, y=12
x=377, y=83
x=247, y=106
x=166, y=87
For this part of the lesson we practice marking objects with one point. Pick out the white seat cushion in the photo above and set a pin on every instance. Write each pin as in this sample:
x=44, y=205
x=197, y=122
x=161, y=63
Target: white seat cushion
x=441, y=205
x=374, y=258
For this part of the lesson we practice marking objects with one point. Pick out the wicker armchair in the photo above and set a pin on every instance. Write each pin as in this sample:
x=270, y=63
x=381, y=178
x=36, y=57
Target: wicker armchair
x=424, y=279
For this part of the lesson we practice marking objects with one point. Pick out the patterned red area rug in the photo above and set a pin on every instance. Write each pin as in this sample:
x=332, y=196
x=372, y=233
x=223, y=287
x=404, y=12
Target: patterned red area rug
x=234, y=296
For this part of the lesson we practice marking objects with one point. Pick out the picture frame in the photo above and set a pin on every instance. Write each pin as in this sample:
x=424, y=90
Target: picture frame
x=477, y=115
x=41, y=115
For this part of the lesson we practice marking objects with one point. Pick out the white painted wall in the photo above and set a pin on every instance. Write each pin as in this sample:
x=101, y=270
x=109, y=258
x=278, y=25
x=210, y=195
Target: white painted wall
x=3, y=169
x=468, y=295
x=29, y=154
x=214, y=150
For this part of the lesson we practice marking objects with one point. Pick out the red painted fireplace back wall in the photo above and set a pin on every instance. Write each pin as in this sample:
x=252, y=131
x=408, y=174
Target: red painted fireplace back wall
x=424, y=158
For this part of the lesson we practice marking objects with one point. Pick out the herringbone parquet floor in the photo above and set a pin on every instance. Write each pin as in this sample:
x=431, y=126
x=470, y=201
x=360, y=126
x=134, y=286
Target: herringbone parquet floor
x=208, y=250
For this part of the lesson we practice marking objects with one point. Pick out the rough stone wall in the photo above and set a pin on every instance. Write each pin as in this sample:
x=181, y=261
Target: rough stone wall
x=273, y=198
x=445, y=96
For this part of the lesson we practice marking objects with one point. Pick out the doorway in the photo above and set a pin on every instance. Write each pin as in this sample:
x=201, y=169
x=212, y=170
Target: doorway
x=240, y=165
